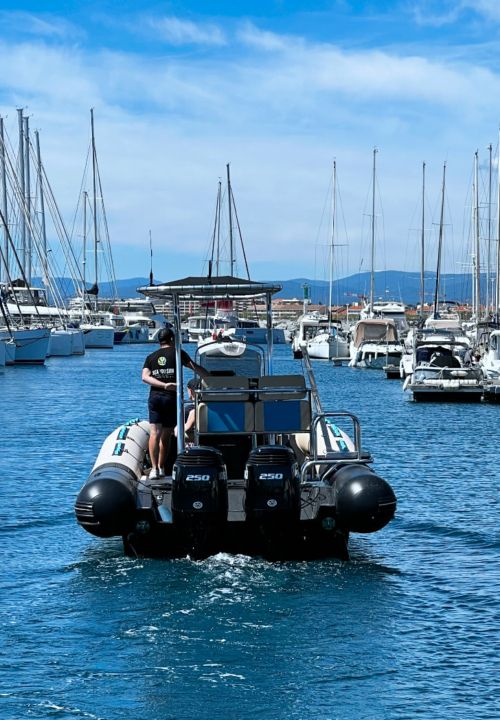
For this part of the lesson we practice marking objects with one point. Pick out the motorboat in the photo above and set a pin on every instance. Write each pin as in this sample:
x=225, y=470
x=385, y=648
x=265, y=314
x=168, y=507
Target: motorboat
x=270, y=474
x=320, y=338
x=375, y=344
x=387, y=309
x=443, y=369
x=142, y=319
x=490, y=360
x=220, y=344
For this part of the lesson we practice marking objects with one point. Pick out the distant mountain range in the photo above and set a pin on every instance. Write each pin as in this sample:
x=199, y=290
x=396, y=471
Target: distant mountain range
x=390, y=285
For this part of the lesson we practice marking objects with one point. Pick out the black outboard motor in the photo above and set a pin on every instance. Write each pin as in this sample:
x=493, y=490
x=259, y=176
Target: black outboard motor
x=199, y=497
x=105, y=505
x=272, y=485
x=364, y=502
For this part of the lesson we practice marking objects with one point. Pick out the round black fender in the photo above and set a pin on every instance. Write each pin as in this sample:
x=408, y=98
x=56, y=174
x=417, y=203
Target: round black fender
x=364, y=502
x=106, y=505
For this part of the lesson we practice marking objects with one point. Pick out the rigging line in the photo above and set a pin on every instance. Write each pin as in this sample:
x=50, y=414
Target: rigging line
x=21, y=269
x=254, y=300
x=109, y=259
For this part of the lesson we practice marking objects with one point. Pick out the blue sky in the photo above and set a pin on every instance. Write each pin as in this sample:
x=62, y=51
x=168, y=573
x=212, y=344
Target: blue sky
x=278, y=90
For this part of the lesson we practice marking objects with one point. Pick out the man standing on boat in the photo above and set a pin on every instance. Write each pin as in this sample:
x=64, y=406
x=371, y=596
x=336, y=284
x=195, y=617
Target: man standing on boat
x=159, y=372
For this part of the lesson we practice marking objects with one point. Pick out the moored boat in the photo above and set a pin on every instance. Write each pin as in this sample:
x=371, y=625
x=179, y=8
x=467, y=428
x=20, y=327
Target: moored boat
x=443, y=369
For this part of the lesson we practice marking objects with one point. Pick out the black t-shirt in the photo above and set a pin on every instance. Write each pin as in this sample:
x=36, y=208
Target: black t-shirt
x=161, y=363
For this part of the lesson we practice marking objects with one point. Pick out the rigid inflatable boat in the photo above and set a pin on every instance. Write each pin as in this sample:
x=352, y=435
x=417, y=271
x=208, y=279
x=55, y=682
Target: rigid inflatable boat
x=270, y=472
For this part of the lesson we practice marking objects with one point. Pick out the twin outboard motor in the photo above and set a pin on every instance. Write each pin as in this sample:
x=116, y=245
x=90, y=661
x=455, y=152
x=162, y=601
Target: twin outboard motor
x=272, y=485
x=199, y=485
x=364, y=502
x=105, y=505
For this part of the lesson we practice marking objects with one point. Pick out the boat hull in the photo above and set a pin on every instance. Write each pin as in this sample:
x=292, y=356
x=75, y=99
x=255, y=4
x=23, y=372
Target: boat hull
x=221, y=348
x=456, y=396
x=61, y=343
x=328, y=349
x=203, y=508
x=97, y=336
x=31, y=346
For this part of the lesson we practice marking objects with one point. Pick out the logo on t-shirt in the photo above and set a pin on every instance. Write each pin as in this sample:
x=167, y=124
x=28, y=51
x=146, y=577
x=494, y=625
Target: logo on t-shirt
x=162, y=360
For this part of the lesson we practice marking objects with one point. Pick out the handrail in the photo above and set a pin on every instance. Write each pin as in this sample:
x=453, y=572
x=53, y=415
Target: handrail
x=321, y=417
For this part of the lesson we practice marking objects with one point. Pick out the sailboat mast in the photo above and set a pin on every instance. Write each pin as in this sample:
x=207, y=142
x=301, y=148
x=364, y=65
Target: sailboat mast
x=488, y=260
x=230, y=202
x=334, y=207
x=422, y=247
x=440, y=245
x=3, y=175
x=151, y=259
x=372, y=271
x=217, y=220
x=497, y=285
x=84, y=262
x=476, y=236
x=27, y=198
x=94, y=198
x=42, y=199
x=21, y=183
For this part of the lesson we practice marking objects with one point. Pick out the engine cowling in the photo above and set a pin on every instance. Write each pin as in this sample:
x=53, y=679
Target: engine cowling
x=272, y=484
x=199, y=484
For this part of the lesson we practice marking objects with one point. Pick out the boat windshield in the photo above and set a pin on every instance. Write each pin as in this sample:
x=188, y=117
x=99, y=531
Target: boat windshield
x=249, y=364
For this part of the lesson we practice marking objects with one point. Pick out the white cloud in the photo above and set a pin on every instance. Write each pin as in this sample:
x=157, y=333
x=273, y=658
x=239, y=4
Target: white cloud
x=490, y=9
x=437, y=13
x=279, y=112
x=185, y=32
x=41, y=25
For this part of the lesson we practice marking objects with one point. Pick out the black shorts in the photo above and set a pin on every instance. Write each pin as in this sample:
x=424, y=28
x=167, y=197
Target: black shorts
x=162, y=408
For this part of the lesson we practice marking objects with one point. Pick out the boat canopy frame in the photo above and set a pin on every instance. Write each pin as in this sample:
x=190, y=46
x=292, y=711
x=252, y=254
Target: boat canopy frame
x=222, y=287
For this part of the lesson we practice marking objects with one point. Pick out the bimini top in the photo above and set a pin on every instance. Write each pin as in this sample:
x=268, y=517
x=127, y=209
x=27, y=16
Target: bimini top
x=222, y=286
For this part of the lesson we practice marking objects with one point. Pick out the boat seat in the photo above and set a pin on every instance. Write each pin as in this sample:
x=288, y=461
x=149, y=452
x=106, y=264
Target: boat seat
x=227, y=409
x=225, y=387
x=225, y=416
x=286, y=386
x=283, y=406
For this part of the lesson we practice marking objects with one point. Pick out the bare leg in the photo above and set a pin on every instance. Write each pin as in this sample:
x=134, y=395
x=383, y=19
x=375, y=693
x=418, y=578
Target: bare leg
x=164, y=445
x=154, y=444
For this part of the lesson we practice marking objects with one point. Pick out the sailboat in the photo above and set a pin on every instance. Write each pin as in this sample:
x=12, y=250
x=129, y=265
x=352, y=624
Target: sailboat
x=322, y=340
x=97, y=325
x=219, y=339
x=24, y=342
x=374, y=340
x=442, y=368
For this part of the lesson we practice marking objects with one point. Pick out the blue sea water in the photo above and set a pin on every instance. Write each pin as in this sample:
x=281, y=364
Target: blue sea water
x=409, y=628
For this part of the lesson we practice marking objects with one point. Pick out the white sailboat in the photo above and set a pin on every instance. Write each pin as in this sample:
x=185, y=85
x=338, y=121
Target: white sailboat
x=97, y=328
x=324, y=342
x=442, y=368
x=374, y=340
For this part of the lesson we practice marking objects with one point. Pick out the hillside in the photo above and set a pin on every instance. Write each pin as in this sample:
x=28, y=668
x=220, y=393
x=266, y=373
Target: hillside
x=393, y=285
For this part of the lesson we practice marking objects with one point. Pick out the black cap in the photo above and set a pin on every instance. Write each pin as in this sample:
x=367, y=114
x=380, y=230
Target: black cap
x=166, y=335
x=193, y=384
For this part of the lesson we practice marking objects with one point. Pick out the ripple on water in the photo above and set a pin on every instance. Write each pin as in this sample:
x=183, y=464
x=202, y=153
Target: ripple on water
x=408, y=628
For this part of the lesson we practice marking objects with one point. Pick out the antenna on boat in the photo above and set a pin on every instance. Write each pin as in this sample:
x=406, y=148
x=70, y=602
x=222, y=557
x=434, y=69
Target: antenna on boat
x=151, y=259
x=231, y=244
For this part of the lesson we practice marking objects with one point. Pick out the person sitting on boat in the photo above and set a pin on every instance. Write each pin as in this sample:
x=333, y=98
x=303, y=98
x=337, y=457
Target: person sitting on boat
x=190, y=411
x=159, y=372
